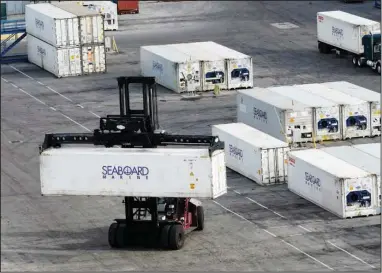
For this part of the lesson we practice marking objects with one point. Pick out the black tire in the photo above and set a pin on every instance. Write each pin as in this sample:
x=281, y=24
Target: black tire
x=320, y=47
x=355, y=60
x=378, y=69
x=164, y=236
x=359, y=62
x=200, y=218
x=176, y=237
x=120, y=236
x=112, y=235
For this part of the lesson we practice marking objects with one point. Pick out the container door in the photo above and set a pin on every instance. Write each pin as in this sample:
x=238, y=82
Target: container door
x=282, y=165
x=214, y=75
x=219, y=176
x=268, y=163
x=189, y=77
x=239, y=73
x=100, y=59
x=327, y=123
x=356, y=120
x=88, y=59
x=63, y=62
x=375, y=119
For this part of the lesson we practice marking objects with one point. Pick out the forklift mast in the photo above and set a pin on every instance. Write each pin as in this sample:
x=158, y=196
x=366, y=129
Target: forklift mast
x=132, y=127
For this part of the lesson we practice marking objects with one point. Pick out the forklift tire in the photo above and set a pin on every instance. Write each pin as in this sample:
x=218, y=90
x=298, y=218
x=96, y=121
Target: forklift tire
x=164, y=236
x=355, y=60
x=120, y=236
x=112, y=235
x=176, y=237
x=200, y=218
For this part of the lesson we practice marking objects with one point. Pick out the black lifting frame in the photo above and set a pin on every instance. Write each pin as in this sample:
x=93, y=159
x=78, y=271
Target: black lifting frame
x=131, y=128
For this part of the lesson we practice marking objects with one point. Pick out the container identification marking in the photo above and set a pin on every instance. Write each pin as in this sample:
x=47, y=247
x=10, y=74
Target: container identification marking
x=123, y=171
x=235, y=152
x=337, y=32
x=312, y=180
x=41, y=51
x=157, y=67
x=39, y=24
x=259, y=114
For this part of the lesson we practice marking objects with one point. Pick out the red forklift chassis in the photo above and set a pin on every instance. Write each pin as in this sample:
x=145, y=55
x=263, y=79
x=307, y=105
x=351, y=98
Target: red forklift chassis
x=165, y=228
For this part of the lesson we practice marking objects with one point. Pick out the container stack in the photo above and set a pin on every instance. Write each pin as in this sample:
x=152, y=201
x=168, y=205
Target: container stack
x=65, y=39
x=253, y=153
x=332, y=183
x=311, y=112
x=197, y=66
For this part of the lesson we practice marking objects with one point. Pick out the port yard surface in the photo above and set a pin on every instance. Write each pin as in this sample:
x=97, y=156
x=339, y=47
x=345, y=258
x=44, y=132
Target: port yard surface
x=251, y=228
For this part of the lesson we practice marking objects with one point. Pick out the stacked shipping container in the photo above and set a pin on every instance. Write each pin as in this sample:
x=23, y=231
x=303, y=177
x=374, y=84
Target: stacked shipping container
x=65, y=39
x=197, y=66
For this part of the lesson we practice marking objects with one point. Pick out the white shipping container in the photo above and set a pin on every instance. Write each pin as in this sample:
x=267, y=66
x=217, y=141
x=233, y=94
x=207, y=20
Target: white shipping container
x=253, y=153
x=374, y=98
x=239, y=66
x=354, y=115
x=172, y=68
x=361, y=160
x=331, y=183
x=213, y=69
x=61, y=62
x=69, y=61
x=160, y=172
x=52, y=25
x=276, y=115
x=344, y=30
x=91, y=22
x=326, y=114
x=371, y=148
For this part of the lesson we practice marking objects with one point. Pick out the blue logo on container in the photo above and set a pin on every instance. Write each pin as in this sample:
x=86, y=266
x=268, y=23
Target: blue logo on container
x=235, y=152
x=115, y=172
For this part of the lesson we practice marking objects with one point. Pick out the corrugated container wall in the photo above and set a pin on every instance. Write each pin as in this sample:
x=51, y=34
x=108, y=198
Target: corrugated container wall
x=354, y=115
x=61, y=62
x=279, y=116
x=52, y=25
x=66, y=61
x=326, y=115
x=374, y=98
x=91, y=22
x=16, y=7
x=161, y=172
x=253, y=153
x=333, y=184
x=361, y=160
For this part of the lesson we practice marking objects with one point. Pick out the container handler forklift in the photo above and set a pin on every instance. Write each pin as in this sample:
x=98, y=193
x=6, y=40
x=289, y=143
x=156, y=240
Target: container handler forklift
x=151, y=220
